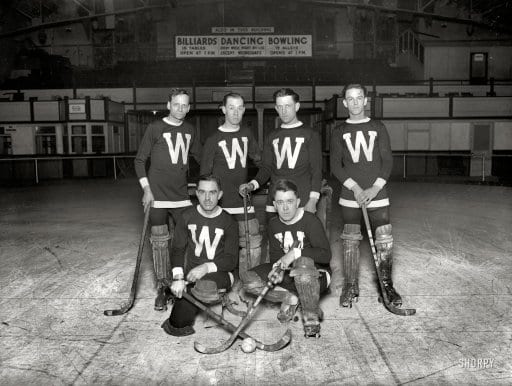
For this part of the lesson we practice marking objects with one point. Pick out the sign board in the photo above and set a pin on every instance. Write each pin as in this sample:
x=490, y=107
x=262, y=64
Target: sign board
x=76, y=108
x=243, y=46
x=242, y=30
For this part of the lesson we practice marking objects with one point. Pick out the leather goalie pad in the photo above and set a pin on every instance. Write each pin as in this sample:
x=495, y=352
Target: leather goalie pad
x=160, y=244
x=308, y=289
x=253, y=225
x=384, y=246
x=351, y=237
x=249, y=259
x=305, y=276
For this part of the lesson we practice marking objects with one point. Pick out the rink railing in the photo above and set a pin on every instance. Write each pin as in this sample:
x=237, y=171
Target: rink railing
x=483, y=158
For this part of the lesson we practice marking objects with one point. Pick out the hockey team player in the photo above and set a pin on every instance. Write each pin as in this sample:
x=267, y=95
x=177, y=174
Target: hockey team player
x=167, y=143
x=225, y=154
x=292, y=151
x=361, y=160
x=208, y=236
x=298, y=241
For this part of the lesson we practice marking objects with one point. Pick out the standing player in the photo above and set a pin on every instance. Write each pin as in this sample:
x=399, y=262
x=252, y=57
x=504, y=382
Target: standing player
x=225, y=155
x=361, y=160
x=293, y=151
x=167, y=143
x=208, y=236
x=301, y=237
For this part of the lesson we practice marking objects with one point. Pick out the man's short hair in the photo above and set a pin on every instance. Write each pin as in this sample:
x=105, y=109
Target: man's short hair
x=232, y=95
x=282, y=92
x=177, y=91
x=354, y=85
x=210, y=177
x=285, y=186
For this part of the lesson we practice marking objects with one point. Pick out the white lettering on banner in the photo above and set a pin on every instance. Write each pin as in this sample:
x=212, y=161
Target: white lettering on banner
x=174, y=149
x=360, y=143
x=286, y=151
x=286, y=240
x=235, y=149
x=204, y=240
x=247, y=45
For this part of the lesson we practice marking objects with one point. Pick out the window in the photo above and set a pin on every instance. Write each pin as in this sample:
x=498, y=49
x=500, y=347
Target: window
x=98, y=138
x=5, y=142
x=46, y=140
x=78, y=139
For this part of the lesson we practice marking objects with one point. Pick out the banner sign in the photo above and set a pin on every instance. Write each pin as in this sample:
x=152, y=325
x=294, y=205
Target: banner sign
x=240, y=46
x=243, y=30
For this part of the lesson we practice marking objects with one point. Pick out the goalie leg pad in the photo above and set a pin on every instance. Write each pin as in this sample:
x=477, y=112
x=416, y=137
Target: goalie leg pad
x=351, y=238
x=306, y=276
x=384, y=246
x=160, y=244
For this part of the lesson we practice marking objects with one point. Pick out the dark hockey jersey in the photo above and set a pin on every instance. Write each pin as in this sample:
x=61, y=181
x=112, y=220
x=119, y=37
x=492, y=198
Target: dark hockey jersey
x=294, y=154
x=225, y=154
x=169, y=148
x=206, y=240
x=361, y=152
x=308, y=231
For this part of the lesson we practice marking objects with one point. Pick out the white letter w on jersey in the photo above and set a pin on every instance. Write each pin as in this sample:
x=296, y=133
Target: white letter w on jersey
x=360, y=143
x=174, y=149
x=235, y=149
x=204, y=240
x=286, y=151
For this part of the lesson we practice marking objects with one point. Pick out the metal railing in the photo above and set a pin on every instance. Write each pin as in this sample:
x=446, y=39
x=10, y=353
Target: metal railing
x=405, y=156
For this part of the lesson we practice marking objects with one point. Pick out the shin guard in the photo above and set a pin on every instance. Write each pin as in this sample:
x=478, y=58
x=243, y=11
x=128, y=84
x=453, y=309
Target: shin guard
x=306, y=276
x=384, y=246
x=249, y=258
x=162, y=265
x=351, y=237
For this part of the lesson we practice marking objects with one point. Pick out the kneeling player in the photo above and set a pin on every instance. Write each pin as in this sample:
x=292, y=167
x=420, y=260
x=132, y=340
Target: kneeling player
x=209, y=237
x=301, y=237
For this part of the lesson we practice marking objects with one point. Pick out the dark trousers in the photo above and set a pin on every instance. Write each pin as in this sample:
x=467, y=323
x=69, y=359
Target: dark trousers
x=377, y=216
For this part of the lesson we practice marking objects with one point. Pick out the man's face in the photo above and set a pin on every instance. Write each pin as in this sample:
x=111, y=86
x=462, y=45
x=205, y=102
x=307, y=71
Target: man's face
x=286, y=204
x=179, y=106
x=234, y=111
x=287, y=109
x=355, y=101
x=208, y=194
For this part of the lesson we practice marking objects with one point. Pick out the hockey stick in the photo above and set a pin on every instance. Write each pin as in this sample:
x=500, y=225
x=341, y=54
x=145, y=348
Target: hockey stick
x=246, y=223
x=285, y=339
x=125, y=307
x=250, y=313
x=389, y=306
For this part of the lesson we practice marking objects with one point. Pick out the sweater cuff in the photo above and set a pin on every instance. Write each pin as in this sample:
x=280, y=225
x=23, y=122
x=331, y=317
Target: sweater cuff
x=212, y=267
x=144, y=182
x=177, y=271
x=255, y=183
x=314, y=195
x=349, y=183
x=380, y=182
x=297, y=252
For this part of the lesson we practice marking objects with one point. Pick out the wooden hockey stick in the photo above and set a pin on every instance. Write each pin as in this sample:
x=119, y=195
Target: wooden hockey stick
x=389, y=306
x=125, y=307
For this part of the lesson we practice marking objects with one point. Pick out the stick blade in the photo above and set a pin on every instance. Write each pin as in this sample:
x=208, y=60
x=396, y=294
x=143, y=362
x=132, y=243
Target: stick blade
x=400, y=311
x=123, y=310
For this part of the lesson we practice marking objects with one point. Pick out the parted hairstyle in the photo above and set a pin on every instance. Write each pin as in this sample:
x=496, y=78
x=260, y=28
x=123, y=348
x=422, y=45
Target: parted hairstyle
x=354, y=85
x=232, y=95
x=285, y=186
x=282, y=92
x=210, y=177
x=177, y=91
